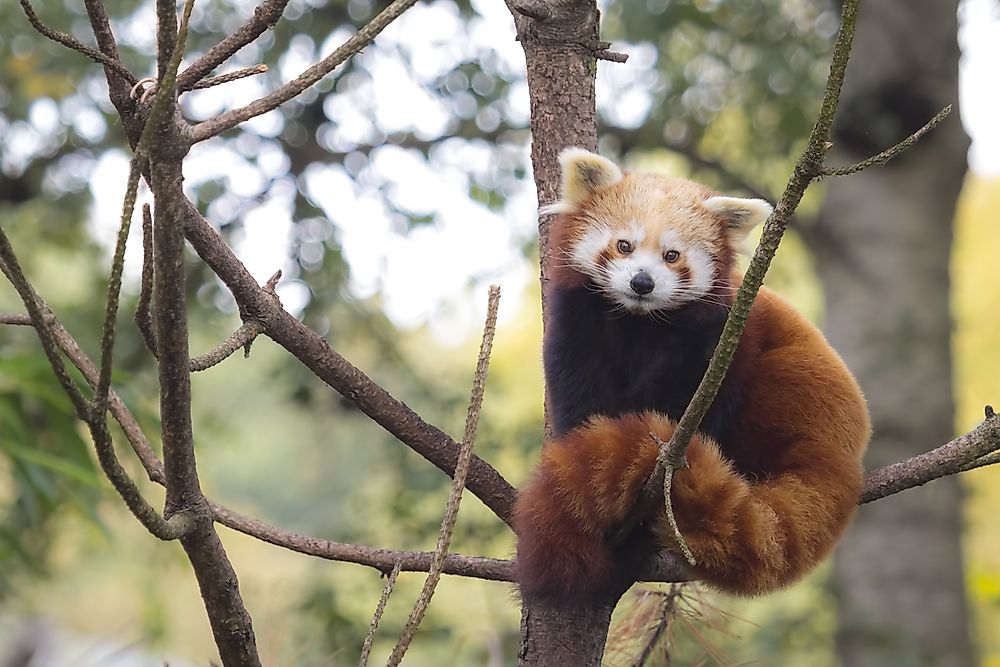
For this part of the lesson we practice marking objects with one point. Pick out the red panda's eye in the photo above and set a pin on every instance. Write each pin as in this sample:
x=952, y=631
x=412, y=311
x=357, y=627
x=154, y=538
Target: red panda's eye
x=624, y=247
x=671, y=256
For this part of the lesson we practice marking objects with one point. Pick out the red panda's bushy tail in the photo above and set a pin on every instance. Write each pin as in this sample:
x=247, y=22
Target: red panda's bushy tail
x=747, y=537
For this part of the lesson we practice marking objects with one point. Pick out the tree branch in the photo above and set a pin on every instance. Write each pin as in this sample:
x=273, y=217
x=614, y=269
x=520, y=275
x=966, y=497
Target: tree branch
x=458, y=484
x=265, y=16
x=355, y=43
x=382, y=560
x=73, y=43
x=242, y=337
x=366, y=648
x=977, y=448
x=889, y=153
x=143, y=314
x=100, y=402
x=316, y=354
x=235, y=75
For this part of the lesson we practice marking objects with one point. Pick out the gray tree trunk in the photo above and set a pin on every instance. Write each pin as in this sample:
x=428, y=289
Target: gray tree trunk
x=883, y=244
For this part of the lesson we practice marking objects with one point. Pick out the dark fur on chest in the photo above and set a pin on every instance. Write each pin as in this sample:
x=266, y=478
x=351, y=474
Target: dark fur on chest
x=602, y=361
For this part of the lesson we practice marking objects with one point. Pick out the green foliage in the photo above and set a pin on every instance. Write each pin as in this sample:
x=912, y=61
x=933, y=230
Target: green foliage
x=45, y=465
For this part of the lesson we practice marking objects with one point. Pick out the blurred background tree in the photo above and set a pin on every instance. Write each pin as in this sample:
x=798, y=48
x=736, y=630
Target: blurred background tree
x=391, y=195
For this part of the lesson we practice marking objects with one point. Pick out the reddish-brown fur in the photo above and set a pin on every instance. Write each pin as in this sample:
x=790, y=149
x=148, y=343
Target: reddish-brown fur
x=761, y=504
x=756, y=520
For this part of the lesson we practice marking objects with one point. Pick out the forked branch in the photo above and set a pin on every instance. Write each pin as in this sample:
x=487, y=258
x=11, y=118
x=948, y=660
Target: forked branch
x=293, y=88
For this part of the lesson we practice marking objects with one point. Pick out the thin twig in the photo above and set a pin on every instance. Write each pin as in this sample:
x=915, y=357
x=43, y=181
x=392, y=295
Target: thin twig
x=611, y=56
x=355, y=43
x=673, y=465
x=265, y=16
x=16, y=319
x=73, y=43
x=100, y=402
x=458, y=485
x=366, y=648
x=235, y=75
x=664, y=620
x=242, y=337
x=143, y=312
x=383, y=560
x=892, y=152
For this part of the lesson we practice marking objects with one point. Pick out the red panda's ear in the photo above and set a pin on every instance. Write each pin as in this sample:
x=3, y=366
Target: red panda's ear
x=583, y=172
x=739, y=215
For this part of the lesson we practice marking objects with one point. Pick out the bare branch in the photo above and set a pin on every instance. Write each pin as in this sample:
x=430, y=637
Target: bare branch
x=143, y=315
x=976, y=448
x=382, y=560
x=358, y=41
x=458, y=485
x=265, y=16
x=16, y=319
x=366, y=648
x=73, y=43
x=235, y=75
x=611, y=56
x=890, y=153
x=101, y=25
x=100, y=402
x=317, y=355
x=674, y=462
x=242, y=337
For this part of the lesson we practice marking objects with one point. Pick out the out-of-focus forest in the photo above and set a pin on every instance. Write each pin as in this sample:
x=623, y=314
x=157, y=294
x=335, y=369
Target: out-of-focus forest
x=390, y=196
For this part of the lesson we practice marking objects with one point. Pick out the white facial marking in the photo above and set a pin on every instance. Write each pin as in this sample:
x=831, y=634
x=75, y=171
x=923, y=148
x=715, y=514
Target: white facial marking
x=669, y=240
x=635, y=233
x=587, y=250
x=702, y=272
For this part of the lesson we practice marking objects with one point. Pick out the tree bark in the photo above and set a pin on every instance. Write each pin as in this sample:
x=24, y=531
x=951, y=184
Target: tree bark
x=561, y=637
x=882, y=248
x=560, y=42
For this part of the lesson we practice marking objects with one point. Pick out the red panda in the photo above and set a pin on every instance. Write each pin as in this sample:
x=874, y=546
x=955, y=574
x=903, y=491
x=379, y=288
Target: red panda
x=642, y=284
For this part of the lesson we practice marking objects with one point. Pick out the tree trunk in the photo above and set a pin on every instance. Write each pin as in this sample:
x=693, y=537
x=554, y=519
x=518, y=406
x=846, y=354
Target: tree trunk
x=560, y=637
x=882, y=244
x=560, y=41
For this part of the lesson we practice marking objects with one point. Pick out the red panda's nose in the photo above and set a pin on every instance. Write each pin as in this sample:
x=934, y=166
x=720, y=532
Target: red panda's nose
x=642, y=283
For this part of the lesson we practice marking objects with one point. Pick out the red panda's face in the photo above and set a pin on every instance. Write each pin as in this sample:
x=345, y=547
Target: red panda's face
x=644, y=264
x=649, y=243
